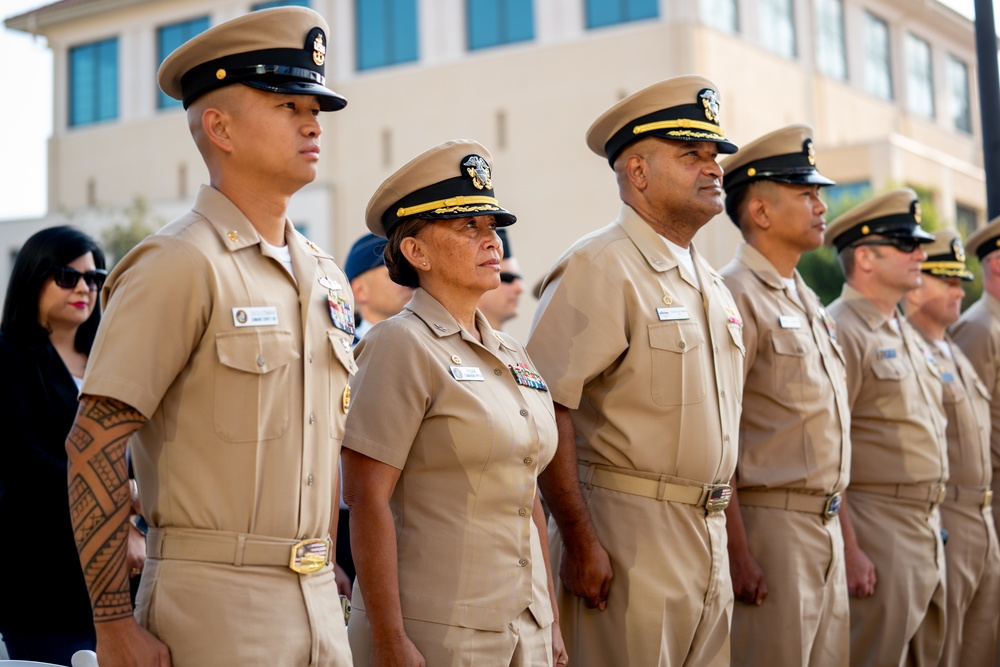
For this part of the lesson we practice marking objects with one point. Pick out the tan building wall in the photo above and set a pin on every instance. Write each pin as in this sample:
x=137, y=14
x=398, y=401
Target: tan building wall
x=530, y=103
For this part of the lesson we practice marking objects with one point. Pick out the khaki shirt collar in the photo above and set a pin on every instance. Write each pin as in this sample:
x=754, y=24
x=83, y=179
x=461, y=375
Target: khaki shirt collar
x=441, y=322
x=862, y=305
x=760, y=266
x=652, y=246
x=991, y=303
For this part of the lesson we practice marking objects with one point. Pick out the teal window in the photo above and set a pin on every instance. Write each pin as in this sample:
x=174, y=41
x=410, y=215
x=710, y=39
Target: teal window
x=279, y=3
x=608, y=12
x=168, y=38
x=93, y=82
x=720, y=14
x=386, y=32
x=495, y=22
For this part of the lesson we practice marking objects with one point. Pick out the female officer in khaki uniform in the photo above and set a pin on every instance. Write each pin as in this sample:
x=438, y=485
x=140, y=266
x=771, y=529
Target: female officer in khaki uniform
x=447, y=433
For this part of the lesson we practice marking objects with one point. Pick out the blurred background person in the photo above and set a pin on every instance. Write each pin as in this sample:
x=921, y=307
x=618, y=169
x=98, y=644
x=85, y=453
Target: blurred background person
x=500, y=305
x=447, y=529
x=972, y=558
x=376, y=297
x=50, y=315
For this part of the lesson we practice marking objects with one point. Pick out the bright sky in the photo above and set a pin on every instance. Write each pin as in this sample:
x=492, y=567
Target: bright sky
x=26, y=115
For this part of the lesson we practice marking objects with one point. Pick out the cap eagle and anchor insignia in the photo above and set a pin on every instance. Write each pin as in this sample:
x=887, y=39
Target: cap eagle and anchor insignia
x=479, y=171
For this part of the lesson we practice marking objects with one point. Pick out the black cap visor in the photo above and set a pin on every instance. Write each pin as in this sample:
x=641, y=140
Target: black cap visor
x=328, y=100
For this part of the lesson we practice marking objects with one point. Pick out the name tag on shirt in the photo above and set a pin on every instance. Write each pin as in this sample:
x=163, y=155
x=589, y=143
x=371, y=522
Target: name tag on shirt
x=255, y=316
x=673, y=313
x=789, y=322
x=466, y=373
x=886, y=353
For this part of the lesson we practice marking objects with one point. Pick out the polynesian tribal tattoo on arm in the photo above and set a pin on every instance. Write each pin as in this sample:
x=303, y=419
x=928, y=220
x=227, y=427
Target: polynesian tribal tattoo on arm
x=99, y=499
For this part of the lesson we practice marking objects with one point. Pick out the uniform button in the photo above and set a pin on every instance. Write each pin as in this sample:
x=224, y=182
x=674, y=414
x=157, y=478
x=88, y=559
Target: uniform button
x=312, y=418
x=682, y=345
x=527, y=460
x=310, y=357
x=726, y=437
x=798, y=348
x=723, y=393
x=524, y=413
x=309, y=480
x=522, y=563
x=715, y=348
x=260, y=361
x=497, y=371
x=522, y=512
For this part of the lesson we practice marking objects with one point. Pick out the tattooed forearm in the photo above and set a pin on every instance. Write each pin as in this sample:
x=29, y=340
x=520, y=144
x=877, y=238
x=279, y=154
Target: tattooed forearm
x=99, y=496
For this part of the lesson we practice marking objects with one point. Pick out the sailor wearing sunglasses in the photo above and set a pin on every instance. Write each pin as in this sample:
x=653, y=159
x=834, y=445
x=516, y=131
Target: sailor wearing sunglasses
x=899, y=462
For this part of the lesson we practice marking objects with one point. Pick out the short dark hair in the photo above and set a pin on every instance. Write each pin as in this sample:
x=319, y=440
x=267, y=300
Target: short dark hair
x=847, y=260
x=734, y=202
x=35, y=263
x=401, y=271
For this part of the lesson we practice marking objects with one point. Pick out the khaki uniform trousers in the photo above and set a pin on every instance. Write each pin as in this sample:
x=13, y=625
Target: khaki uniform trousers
x=671, y=599
x=802, y=556
x=973, y=566
x=249, y=616
x=903, y=622
x=521, y=644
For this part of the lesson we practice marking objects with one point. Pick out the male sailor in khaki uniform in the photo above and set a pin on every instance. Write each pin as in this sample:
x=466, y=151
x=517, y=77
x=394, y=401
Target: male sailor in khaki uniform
x=978, y=334
x=899, y=460
x=641, y=345
x=971, y=552
x=225, y=354
x=786, y=550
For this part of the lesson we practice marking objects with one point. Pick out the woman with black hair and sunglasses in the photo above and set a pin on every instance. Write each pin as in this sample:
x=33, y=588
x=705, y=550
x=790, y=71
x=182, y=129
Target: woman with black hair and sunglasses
x=50, y=316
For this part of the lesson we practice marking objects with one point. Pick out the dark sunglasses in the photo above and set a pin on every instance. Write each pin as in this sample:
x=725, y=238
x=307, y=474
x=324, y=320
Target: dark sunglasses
x=904, y=245
x=506, y=277
x=68, y=277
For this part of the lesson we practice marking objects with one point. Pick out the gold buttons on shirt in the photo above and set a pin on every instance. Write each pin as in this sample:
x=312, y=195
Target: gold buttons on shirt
x=312, y=418
x=527, y=461
x=522, y=512
x=309, y=480
x=455, y=359
x=497, y=372
x=522, y=563
x=524, y=413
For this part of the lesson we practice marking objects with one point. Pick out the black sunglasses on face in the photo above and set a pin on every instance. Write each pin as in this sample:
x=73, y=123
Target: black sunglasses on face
x=68, y=278
x=903, y=245
x=506, y=277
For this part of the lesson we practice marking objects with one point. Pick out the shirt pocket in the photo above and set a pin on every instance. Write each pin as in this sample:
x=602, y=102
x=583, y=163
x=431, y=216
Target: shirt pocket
x=790, y=370
x=678, y=363
x=890, y=370
x=251, y=384
x=342, y=367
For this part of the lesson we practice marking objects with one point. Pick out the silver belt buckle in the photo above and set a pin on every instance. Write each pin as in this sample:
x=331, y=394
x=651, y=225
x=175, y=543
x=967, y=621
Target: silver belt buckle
x=832, y=506
x=309, y=556
x=718, y=497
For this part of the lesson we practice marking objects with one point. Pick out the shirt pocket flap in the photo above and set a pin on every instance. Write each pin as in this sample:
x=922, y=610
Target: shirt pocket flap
x=255, y=351
x=787, y=344
x=343, y=351
x=886, y=369
x=675, y=337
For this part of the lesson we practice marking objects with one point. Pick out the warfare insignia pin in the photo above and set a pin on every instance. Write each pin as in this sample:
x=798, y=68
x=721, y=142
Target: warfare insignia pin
x=710, y=100
x=478, y=170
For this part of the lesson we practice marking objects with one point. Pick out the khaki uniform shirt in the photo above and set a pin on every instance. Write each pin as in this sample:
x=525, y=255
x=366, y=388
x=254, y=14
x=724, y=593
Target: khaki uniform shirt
x=978, y=334
x=795, y=430
x=967, y=406
x=470, y=442
x=650, y=367
x=245, y=422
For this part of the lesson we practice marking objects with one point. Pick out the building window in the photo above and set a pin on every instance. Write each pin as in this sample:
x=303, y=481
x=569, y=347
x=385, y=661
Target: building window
x=919, y=84
x=279, y=3
x=777, y=27
x=843, y=196
x=958, y=78
x=966, y=220
x=878, y=76
x=495, y=22
x=386, y=32
x=93, y=82
x=720, y=14
x=830, y=52
x=609, y=12
x=168, y=38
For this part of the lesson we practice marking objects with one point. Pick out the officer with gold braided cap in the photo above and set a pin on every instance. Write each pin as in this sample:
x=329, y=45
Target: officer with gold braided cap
x=899, y=462
x=971, y=553
x=224, y=359
x=640, y=343
x=785, y=542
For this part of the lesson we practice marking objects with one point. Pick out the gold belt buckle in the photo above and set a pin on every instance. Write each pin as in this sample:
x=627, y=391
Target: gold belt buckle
x=309, y=556
x=832, y=506
x=942, y=494
x=987, y=498
x=718, y=497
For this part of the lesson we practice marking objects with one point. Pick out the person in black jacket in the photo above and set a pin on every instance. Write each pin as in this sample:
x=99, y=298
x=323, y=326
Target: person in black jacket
x=50, y=316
